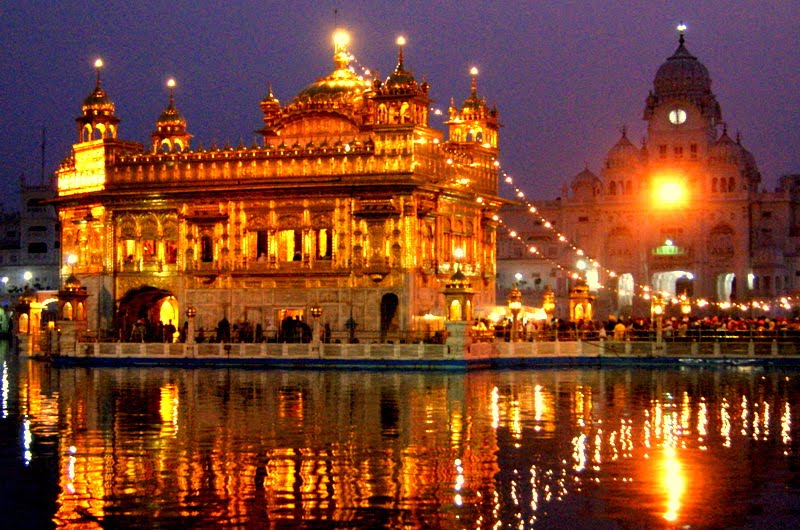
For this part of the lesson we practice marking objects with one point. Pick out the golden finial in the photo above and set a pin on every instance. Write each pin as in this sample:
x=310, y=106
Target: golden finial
x=474, y=73
x=171, y=85
x=401, y=41
x=341, y=57
x=98, y=64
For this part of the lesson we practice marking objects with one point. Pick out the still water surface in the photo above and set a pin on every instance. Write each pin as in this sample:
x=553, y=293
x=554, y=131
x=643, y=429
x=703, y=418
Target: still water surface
x=580, y=448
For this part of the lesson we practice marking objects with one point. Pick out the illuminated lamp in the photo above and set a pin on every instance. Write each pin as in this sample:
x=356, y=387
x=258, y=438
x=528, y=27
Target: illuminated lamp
x=669, y=192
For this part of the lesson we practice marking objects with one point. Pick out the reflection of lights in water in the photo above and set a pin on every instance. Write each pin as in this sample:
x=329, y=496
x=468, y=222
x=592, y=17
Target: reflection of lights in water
x=495, y=408
x=702, y=420
x=786, y=424
x=756, y=425
x=534, y=493
x=538, y=403
x=579, y=452
x=168, y=406
x=5, y=390
x=598, y=444
x=765, y=421
x=725, y=423
x=674, y=483
x=744, y=415
x=686, y=412
x=27, y=440
x=516, y=420
x=71, y=468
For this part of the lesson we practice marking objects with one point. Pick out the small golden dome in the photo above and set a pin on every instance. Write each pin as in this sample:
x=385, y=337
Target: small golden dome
x=72, y=283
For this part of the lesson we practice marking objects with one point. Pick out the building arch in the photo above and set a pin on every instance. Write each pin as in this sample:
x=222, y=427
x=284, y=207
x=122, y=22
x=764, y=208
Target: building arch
x=149, y=306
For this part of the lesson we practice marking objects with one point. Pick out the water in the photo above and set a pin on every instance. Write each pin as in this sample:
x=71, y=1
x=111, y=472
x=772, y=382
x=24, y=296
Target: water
x=196, y=448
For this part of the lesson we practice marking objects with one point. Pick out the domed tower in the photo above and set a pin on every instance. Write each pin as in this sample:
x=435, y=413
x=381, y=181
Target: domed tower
x=733, y=167
x=585, y=186
x=271, y=108
x=475, y=123
x=98, y=120
x=170, y=135
x=400, y=100
x=622, y=171
x=681, y=110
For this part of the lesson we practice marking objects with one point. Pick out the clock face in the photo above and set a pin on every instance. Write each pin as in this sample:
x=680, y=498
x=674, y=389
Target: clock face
x=677, y=116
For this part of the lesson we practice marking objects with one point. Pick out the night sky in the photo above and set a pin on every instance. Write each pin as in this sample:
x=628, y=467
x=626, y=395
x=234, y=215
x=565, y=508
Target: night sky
x=565, y=75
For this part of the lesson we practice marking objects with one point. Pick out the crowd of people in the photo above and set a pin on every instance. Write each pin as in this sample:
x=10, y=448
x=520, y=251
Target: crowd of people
x=621, y=329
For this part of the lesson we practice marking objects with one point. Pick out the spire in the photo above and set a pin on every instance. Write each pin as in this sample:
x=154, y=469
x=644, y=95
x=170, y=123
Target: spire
x=341, y=57
x=171, y=85
x=401, y=41
x=474, y=73
x=681, y=30
x=98, y=64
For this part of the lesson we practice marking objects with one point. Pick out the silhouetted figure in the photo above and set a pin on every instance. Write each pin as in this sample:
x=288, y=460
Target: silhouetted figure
x=224, y=330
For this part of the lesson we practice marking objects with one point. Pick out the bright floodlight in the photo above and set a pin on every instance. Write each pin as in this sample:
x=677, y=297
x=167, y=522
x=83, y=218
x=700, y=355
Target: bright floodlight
x=681, y=27
x=98, y=63
x=171, y=83
x=473, y=71
x=669, y=193
x=581, y=264
x=341, y=38
x=518, y=276
x=401, y=41
x=27, y=275
x=72, y=259
x=4, y=280
x=458, y=253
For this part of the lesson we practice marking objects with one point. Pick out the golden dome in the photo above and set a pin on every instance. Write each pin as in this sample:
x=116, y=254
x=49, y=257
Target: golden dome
x=342, y=85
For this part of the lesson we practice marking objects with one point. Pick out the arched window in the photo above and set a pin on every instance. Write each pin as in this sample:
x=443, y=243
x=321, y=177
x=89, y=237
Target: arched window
x=714, y=185
x=731, y=184
x=612, y=188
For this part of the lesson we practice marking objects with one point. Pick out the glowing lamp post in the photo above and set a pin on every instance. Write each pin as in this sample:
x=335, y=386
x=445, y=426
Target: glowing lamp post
x=515, y=306
x=549, y=302
x=658, y=312
x=686, y=305
x=191, y=312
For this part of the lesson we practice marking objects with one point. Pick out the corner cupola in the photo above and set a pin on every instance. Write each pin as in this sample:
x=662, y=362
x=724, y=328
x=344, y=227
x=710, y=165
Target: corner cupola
x=171, y=135
x=98, y=121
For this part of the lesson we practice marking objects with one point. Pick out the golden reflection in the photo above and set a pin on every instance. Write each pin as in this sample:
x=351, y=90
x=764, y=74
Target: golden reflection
x=495, y=408
x=725, y=423
x=674, y=483
x=168, y=407
x=786, y=424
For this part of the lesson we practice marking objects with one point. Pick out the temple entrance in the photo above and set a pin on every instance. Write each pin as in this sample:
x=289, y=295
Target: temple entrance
x=145, y=313
x=389, y=305
x=674, y=283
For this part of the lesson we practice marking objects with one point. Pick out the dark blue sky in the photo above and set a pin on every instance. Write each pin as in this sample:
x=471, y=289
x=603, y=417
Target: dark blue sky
x=564, y=74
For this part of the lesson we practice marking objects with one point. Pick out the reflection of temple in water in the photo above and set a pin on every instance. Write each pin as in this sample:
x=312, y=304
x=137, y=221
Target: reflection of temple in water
x=389, y=449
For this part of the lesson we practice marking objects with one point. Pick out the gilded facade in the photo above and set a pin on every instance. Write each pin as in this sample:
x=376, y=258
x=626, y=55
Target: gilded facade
x=351, y=202
x=685, y=212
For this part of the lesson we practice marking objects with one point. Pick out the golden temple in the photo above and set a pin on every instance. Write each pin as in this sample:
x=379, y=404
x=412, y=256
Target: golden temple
x=352, y=203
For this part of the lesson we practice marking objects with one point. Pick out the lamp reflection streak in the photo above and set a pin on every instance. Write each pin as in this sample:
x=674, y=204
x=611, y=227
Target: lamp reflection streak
x=725, y=423
x=786, y=424
x=5, y=390
x=27, y=440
